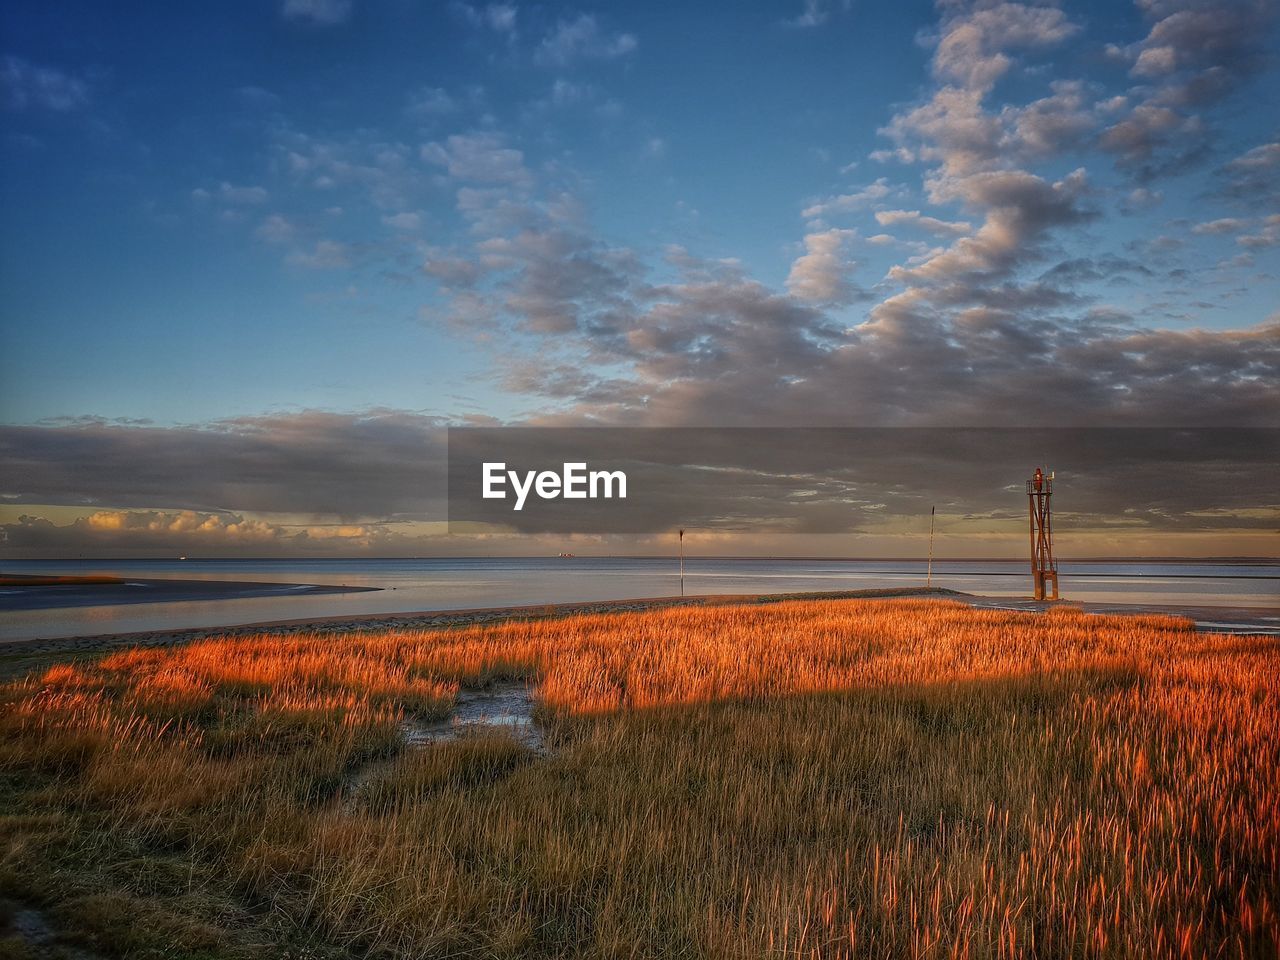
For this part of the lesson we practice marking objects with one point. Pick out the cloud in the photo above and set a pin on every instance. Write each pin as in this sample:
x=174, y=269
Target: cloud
x=354, y=467
x=952, y=128
x=452, y=271
x=816, y=13
x=816, y=481
x=1195, y=54
x=1211, y=46
x=1223, y=225
x=1151, y=129
x=431, y=101
x=320, y=12
x=251, y=195
x=973, y=51
x=966, y=341
x=220, y=526
x=822, y=274
x=324, y=255
x=565, y=92
x=25, y=85
x=480, y=157
x=849, y=202
x=499, y=17
x=114, y=533
x=1264, y=157
x=582, y=39
x=1103, y=268
x=1141, y=198
x=408, y=221
x=384, y=169
x=1254, y=176
x=152, y=531
x=971, y=326
x=1020, y=210
x=275, y=229
x=258, y=97
x=1049, y=126
x=1267, y=236
x=970, y=331
x=558, y=280
x=914, y=218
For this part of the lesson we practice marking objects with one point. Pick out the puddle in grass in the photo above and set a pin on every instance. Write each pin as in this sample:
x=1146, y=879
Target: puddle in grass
x=502, y=706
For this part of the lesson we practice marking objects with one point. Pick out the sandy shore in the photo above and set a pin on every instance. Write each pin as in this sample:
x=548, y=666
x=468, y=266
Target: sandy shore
x=18, y=655
x=46, y=593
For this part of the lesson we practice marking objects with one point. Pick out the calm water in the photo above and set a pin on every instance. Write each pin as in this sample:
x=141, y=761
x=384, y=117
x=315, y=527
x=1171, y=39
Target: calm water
x=411, y=585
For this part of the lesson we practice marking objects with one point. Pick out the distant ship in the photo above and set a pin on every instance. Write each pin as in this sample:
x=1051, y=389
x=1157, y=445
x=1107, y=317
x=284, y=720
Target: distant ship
x=565, y=556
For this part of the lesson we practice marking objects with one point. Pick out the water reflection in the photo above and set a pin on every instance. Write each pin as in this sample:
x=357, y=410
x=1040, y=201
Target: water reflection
x=445, y=584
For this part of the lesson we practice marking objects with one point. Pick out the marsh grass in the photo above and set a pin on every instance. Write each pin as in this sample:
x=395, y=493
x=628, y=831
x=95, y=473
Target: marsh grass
x=905, y=778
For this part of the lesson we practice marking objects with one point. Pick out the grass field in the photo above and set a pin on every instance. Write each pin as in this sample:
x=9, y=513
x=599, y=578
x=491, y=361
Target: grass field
x=891, y=778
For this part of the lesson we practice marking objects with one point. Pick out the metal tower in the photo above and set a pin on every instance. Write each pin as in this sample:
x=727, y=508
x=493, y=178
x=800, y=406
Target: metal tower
x=1044, y=569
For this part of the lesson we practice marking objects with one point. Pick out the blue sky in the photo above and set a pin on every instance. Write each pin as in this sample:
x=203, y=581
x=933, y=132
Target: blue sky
x=817, y=212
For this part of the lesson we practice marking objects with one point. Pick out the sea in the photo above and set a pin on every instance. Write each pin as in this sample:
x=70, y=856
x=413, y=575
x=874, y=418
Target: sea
x=410, y=585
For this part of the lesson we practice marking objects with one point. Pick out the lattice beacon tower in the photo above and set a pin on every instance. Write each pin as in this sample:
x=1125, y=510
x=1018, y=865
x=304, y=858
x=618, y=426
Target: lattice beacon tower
x=1044, y=569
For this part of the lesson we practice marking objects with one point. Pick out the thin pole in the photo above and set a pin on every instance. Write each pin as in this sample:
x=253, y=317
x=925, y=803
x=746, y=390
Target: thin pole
x=1031, y=522
x=929, y=582
x=682, y=563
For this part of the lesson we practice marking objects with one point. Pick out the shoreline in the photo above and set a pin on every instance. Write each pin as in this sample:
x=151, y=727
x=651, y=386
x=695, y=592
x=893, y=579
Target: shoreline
x=20, y=593
x=1228, y=620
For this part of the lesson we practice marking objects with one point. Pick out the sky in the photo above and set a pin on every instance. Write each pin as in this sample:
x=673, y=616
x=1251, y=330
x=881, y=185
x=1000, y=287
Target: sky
x=305, y=236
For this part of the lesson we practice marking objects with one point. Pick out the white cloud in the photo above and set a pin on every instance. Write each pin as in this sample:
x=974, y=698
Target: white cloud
x=26, y=85
x=1140, y=198
x=242, y=195
x=385, y=169
x=223, y=527
x=481, y=157
x=1265, y=155
x=940, y=228
x=1020, y=209
x=582, y=39
x=275, y=229
x=1268, y=236
x=499, y=17
x=1194, y=54
x=973, y=49
x=404, y=221
x=325, y=255
x=1224, y=225
x=814, y=14
x=822, y=273
x=848, y=202
x=321, y=12
x=431, y=101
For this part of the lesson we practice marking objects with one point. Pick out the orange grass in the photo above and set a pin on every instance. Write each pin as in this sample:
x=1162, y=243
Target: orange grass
x=911, y=778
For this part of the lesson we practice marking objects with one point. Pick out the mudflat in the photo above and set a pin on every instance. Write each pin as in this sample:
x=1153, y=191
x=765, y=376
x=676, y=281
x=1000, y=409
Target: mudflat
x=42, y=593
